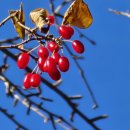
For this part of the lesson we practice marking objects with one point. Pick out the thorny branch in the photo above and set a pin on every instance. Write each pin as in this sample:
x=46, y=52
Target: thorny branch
x=31, y=105
x=19, y=96
x=11, y=117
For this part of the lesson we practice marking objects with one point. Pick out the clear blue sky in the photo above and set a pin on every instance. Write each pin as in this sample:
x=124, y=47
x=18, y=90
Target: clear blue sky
x=106, y=65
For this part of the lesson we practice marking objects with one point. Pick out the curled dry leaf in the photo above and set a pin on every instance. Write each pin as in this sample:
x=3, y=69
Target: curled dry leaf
x=19, y=17
x=78, y=14
x=38, y=17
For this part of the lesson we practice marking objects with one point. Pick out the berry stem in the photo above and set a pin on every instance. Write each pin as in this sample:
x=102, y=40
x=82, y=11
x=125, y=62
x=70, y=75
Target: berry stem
x=67, y=41
x=33, y=49
x=47, y=33
x=35, y=68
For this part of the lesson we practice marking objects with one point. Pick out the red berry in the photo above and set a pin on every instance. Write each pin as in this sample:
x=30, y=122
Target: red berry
x=52, y=46
x=50, y=65
x=63, y=64
x=26, y=82
x=51, y=19
x=41, y=62
x=35, y=80
x=56, y=57
x=78, y=46
x=43, y=52
x=66, y=31
x=23, y=60
x=45, y=67
x=55, y=75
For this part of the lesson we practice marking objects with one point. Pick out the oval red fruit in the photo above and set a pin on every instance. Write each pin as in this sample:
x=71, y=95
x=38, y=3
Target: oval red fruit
x=63, y=64
x=55, y=75
x=56, y=57
x=50, y=65
x=66, y=31
x=23, y=60
x=52, y=46
x=45, y=67
x=51, y=19
x=78, y=46
x=43, y=52
x=26, y=82
x=35, y=80
x=41, y=62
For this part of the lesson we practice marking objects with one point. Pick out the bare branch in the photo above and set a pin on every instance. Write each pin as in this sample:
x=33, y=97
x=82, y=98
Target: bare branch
x=127, y=14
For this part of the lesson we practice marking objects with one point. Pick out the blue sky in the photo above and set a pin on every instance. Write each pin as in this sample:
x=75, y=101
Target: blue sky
x=106, y=65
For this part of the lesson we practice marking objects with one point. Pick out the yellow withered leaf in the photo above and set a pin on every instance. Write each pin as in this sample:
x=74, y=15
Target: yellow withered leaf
x=38, y=17
x=19, y=17
x=78, y=14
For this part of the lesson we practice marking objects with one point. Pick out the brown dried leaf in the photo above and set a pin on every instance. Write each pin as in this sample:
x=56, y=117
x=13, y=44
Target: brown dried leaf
x=38, y=17
x=78, y=14
x=19, y=17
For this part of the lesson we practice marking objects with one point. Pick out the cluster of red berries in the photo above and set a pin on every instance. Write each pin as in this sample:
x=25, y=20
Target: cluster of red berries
x=52, y=64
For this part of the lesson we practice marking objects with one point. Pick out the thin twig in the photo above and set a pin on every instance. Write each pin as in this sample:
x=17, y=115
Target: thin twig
x=11, y=117
x=17, y=45
x=57, y=10
x=127, y=14
x=8, y=18
x=75, y=97
x=99, y=117
x=10, y=40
